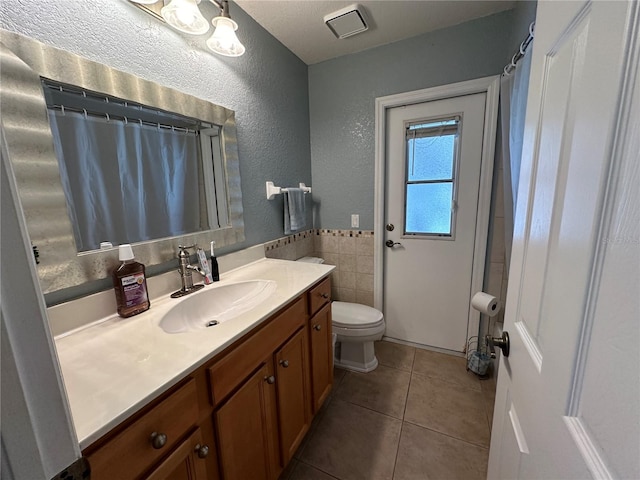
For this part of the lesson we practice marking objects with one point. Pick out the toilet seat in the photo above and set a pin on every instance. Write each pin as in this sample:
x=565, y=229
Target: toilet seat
x=356, y=321
x=355, y=316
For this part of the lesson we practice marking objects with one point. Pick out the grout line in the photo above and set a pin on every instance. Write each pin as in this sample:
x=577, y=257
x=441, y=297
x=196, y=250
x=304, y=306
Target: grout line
x=447, y=435
x=444, y=380
x=369, y=409
x=395, y=460
x=315, y=467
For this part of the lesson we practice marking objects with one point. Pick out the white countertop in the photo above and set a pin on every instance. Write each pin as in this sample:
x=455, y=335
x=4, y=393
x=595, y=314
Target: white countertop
x=115, y=366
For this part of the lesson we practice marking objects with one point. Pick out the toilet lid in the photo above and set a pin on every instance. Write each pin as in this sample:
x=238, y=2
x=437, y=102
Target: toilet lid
x=354, y=315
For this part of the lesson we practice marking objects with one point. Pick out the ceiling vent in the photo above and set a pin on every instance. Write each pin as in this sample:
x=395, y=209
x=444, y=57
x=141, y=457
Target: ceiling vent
x=346, y=22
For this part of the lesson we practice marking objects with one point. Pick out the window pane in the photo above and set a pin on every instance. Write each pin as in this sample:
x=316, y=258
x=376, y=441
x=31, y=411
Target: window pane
x=429, y=208
x=430, y=158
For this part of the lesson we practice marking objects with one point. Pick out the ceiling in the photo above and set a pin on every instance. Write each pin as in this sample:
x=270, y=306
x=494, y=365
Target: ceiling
x=299, y=24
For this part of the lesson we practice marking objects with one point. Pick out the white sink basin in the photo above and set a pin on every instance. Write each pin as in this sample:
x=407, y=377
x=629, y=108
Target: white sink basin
x=215, y=304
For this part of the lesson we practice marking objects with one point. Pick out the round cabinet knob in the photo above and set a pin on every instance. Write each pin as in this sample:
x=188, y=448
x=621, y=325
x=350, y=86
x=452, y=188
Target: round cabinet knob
x=270, y=379
x=284, y=363
x=202, y=450
x=317, y=327
x=158, y=440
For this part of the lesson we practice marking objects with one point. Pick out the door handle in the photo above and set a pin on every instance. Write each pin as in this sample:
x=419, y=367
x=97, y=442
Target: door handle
x=391, y=243
x=501, y=342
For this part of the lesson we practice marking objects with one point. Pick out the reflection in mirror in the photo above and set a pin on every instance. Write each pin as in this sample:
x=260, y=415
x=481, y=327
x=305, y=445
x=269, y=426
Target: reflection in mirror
x=133, y=173
x=67, y=250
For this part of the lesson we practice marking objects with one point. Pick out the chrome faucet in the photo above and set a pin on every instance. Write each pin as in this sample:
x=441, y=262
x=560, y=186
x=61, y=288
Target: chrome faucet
x=185, y=270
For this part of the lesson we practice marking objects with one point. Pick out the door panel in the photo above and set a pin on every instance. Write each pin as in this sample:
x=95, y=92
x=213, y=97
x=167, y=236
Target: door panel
x=321, y=356
x=427, y=279
x=292, y=385
x=572, y=306
x=245, y=430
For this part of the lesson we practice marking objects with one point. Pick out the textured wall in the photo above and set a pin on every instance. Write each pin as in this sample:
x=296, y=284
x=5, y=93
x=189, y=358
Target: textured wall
x=267, y=87
x=342, y=95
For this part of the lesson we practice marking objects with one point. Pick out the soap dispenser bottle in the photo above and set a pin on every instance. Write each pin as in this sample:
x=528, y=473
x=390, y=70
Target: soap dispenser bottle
x=130, y=284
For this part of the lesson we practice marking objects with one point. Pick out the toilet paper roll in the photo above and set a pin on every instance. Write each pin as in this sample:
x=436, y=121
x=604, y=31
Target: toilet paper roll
x=485, y=303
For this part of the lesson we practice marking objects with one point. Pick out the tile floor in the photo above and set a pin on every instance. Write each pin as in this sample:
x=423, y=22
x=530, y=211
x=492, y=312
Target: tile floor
x=419, y=415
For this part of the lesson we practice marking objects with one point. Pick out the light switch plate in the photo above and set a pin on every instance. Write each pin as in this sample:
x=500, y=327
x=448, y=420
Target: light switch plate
x=355, y=220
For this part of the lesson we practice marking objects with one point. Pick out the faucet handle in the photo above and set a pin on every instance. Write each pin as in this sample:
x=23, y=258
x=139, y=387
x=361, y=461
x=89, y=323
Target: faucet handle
x=183, y=250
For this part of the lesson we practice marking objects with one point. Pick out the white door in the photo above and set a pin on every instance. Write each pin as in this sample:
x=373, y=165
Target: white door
x=568, y=397
x=434, y=160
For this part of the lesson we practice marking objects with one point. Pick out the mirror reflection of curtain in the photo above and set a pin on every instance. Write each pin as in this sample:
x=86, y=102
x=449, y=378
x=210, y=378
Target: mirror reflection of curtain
x=126, y=182
x=513, y=106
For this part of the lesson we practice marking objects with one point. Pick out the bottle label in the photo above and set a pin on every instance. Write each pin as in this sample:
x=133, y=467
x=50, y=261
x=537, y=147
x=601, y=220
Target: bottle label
x=135, y=289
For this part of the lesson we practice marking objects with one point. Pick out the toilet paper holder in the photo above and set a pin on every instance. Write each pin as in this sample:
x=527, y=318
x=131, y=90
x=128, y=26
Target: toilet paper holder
x=501, y=342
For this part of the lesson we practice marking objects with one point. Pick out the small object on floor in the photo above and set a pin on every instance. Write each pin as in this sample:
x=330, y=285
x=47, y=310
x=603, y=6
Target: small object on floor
x=478, y=360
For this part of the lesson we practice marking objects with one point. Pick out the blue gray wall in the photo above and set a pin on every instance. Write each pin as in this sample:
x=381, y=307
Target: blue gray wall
x=342, y=95
x=267, y=87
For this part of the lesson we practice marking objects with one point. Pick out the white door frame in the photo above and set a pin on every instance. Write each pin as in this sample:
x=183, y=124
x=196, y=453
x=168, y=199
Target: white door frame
x=488, y=85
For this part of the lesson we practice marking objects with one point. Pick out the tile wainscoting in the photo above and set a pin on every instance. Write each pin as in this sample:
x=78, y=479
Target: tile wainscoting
x=351, y=251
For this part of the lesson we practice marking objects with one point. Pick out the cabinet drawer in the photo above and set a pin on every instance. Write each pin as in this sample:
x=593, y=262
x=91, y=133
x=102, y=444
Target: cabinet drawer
x=319, y=295
x=230, y=371
x=130, y=452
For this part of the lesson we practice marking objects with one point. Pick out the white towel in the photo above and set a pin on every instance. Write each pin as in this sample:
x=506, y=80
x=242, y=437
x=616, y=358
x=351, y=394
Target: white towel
x=295, y=213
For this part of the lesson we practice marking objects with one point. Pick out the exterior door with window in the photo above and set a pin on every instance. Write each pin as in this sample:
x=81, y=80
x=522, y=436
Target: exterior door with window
x=433, y=162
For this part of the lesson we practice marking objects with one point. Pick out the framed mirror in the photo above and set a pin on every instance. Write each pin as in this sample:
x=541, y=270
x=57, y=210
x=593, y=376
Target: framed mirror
x=77, y=131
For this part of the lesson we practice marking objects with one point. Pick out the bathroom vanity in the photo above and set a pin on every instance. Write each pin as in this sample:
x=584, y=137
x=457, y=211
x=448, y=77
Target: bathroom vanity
x=232, y=401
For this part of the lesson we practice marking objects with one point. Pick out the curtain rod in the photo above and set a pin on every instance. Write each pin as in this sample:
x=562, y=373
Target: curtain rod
x=109, y=117
x=521, y=51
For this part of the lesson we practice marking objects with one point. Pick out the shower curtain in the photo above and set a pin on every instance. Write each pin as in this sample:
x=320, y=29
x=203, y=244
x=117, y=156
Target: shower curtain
x=513, y=105
x=125, y=182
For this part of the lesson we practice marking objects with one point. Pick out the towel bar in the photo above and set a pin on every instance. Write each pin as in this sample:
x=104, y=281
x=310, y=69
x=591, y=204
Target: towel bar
x=272, y=190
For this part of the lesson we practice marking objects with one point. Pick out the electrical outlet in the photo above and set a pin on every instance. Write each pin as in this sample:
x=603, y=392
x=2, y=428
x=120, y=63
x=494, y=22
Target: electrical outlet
x=355, y=220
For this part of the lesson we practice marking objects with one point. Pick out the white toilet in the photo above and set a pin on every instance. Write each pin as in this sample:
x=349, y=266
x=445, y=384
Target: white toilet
x=357, y=327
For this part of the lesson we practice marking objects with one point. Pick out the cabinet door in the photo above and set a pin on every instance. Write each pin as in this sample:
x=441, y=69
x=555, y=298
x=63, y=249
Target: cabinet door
x=245, y=429
x=292, y=386
x=186, y=462
x=321, y=356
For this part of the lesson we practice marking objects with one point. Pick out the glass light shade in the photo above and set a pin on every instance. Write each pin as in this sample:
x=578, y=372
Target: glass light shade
x=184, y=15
x=224, y=40
x=145, y=2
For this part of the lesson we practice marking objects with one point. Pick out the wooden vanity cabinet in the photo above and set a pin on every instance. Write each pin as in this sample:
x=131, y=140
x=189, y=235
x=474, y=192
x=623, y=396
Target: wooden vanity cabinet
x=321, y=344
x=261, y=392
x=240, y=416
x=246, y=432
x=321, y=356
x=157, y=437
x=293, y=393
x=185, y=462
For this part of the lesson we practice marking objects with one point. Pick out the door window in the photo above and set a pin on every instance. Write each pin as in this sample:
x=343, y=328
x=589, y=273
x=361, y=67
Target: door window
x=430, y=184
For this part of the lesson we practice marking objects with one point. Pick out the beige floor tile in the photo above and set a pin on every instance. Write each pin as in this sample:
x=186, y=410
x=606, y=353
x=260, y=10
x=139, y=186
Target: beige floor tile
x=445, y=367
x=317, y=418
x=307, y=472
x=395, y=355
x=425, y=454
x=354, y=443
x=448, y=408
x=383, y=390
x=338, y=375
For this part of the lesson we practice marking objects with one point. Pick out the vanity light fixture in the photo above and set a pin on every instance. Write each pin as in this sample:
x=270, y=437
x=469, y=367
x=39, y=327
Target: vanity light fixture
x=224, y=40
x=185, y=16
